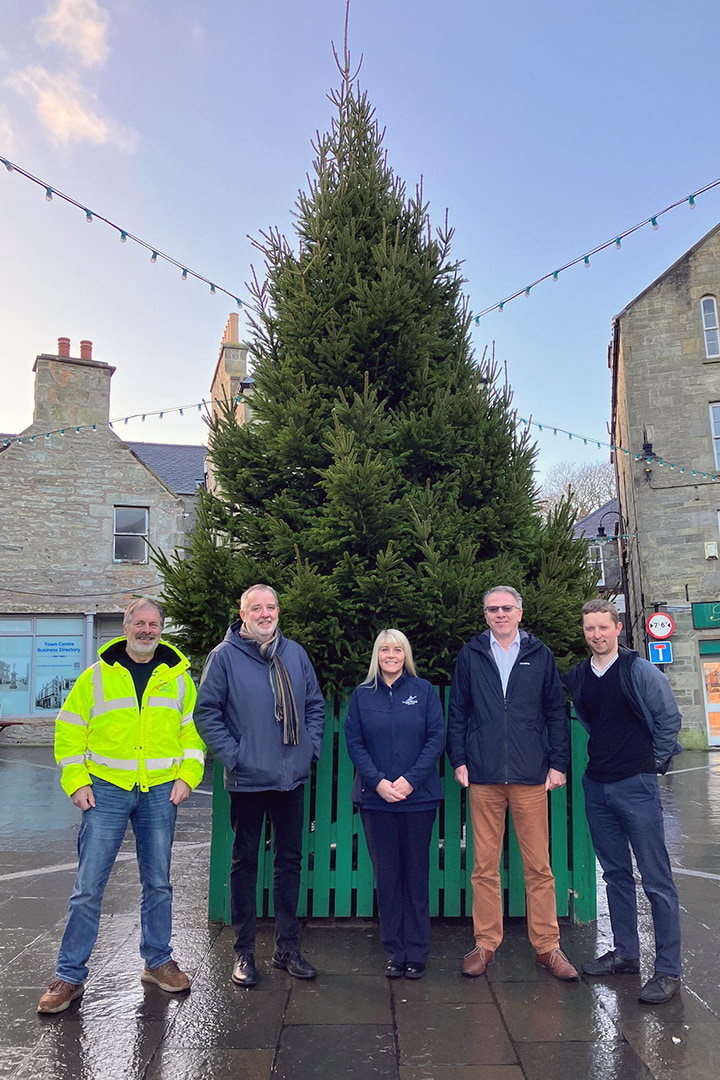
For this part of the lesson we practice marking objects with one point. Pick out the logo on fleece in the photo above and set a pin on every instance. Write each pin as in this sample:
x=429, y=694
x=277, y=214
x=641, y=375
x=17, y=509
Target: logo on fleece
x=412, y=700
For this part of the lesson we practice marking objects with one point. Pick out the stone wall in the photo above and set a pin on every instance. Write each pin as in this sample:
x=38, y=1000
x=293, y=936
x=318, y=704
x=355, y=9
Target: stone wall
x=664, y=385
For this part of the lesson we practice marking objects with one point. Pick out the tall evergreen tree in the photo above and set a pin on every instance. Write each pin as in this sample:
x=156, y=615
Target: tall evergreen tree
x=382, y=480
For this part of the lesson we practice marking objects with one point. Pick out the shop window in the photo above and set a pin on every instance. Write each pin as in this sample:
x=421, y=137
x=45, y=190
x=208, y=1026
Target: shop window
x=40, y=660
x=130, y=534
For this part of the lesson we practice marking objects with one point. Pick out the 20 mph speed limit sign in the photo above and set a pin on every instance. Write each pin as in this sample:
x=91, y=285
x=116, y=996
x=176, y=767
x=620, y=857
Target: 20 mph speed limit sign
x=660, y=625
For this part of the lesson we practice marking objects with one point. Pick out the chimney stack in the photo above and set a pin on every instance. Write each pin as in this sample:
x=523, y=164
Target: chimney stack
x=86, y=350
x=63, y=346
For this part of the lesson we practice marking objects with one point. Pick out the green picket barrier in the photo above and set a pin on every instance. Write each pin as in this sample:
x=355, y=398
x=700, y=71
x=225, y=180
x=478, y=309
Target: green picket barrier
x=337, y=875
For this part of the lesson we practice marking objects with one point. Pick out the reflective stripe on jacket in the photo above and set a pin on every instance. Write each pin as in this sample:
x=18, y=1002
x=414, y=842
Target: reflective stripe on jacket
x=102, y=731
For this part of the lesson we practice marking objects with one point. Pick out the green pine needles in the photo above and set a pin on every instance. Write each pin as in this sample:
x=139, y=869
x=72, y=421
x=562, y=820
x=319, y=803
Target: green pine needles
x=383, y=480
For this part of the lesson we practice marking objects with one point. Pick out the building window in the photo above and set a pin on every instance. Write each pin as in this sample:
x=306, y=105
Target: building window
x=40, y=659
x=595, y=552
x=708, y=305
x=715, y=429
x=130, y=535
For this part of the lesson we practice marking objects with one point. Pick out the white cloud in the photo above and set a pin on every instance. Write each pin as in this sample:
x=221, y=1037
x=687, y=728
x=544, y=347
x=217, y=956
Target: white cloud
x=68, y=111
x=80, y=26
x=6, y=131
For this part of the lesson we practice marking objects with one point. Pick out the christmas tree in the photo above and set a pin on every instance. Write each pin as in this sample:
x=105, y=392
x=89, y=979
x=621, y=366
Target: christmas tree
x=383, y=480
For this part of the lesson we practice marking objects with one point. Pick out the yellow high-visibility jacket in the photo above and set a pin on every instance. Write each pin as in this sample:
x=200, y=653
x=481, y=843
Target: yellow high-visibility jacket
x=103, y=731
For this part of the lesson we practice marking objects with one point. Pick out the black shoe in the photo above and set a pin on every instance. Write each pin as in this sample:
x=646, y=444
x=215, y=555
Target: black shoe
x=244, y=973
x=414, y=970
x=294, y=963
x=612, y=963
x=395, y=969
x=660, y=988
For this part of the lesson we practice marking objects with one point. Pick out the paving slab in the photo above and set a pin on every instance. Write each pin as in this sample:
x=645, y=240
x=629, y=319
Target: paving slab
x=353, y=1052
x=452, y=1034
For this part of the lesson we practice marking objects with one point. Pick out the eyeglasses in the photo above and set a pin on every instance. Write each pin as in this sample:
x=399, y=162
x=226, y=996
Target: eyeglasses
x=506, y=608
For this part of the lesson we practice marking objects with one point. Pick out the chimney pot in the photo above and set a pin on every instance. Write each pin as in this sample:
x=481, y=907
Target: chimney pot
x=63, y=346
x=86, y=350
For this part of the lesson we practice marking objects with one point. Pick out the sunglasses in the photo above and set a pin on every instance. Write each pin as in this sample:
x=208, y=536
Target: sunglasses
x=494, y=608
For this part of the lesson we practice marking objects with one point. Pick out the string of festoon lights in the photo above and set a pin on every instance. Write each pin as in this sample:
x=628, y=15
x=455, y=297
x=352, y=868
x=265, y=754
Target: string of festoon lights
x=124, y=234
x=600, y=443
x=75, y=429
x=528, y=422
x=186, y=271
x=614, y=242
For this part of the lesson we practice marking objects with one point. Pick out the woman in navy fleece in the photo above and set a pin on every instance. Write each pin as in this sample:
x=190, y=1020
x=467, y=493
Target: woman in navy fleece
x=395, y=734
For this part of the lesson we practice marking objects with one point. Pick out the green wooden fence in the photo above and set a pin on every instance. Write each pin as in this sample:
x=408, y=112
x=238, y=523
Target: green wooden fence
x=337, y=875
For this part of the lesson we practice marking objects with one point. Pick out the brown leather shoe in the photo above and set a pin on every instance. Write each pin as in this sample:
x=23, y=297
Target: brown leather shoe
x=59, y=995
x=475, y=962
x=557, y=963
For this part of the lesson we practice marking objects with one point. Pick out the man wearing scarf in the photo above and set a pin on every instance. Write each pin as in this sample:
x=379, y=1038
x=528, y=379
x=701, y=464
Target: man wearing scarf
x=261, y=712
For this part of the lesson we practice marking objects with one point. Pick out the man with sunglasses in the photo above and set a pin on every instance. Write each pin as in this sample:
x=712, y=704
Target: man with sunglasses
x=508, y=742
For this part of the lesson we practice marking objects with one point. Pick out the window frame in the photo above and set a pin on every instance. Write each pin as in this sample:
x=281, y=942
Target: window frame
x=124, y=534
x=715, y=419
x=713, y=329
x=595, y=554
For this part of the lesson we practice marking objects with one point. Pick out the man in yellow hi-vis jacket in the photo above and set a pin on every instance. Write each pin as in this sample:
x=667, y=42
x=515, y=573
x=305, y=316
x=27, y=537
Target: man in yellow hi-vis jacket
x=129, y=751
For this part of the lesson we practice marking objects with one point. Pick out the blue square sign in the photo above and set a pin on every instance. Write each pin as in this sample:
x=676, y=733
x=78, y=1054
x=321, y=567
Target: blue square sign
x=660, y=652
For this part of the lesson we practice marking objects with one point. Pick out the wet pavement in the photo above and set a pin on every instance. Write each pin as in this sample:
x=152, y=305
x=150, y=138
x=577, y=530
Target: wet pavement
x=351, y=1022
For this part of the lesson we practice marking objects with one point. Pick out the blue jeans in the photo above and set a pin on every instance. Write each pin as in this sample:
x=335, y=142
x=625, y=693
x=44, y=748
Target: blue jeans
x=624, y=814
x=102, y=829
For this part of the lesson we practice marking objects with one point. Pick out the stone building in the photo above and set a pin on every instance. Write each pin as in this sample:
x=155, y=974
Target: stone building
x=79, y=512
x=665, y=363
x=231, y=384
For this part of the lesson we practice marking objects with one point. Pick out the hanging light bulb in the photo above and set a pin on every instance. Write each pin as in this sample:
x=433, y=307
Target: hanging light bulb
x=123, y=236
x=212, y=290
x=691, y=202
x=8, y=164
x=48, y=194
x=555, y=275
x=88, y=216
x=618, y=242
x=184, y=274
x=586, y=260
x=153, y=257
x=654, y=223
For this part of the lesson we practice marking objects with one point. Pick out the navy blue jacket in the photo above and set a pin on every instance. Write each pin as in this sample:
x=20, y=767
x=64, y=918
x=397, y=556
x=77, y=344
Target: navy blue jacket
x=650, y=696
x=394, y=731
x=513, y=738
x=235, y=714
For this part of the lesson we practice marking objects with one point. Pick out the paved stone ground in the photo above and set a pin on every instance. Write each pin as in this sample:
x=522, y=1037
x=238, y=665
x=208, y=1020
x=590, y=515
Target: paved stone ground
x=516, y=1024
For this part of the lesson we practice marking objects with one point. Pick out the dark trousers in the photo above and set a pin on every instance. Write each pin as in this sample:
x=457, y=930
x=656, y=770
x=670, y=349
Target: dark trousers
x=247, y=817
x=624, y=814
x=399, y=846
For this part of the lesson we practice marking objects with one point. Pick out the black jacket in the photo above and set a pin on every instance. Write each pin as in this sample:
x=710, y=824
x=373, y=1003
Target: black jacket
x=511, y=739
x=650, y=696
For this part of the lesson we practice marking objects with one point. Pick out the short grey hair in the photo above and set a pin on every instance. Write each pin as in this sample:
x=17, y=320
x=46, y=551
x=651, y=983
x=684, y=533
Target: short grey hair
x=503, y=588
x=257, y=588
x=141, y=601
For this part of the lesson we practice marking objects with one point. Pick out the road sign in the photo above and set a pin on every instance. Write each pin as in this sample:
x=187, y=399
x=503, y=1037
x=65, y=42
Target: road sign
x=660, y=625
x=660, y=652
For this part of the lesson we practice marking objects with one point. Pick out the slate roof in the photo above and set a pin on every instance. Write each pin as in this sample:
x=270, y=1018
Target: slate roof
x=180, y=466
x=588, y=526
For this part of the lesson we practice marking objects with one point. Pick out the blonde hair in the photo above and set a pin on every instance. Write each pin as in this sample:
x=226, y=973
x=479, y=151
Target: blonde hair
x=388, y=637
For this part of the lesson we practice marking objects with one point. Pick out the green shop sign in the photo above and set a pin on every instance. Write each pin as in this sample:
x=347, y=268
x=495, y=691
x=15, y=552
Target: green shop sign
x=706, y=616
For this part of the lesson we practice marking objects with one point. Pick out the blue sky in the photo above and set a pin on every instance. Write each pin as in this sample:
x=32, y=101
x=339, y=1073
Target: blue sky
x=543, y=129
